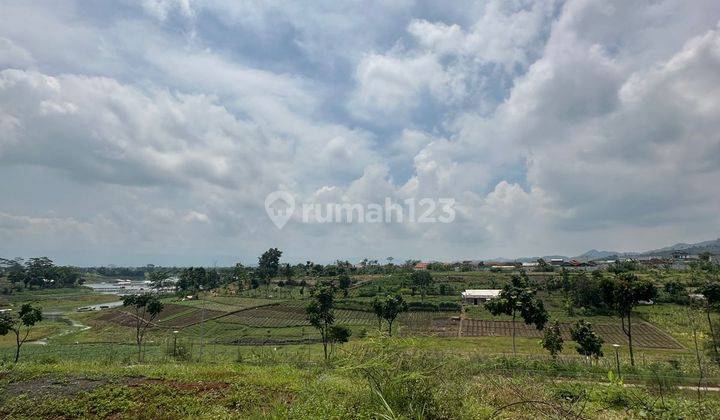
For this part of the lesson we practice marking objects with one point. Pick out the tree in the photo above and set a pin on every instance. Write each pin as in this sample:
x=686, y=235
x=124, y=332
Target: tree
x=67, y=277
x=585, y=291
x=517, y=298
x=392, y=307
x=14, y=270
x=287, y=271
x=674, y=288
x=543, y=266
x=239, y=275
x=320, y=312
x=552, y=340
x=40, y=271
x=268, y=266
x=147, y=307
x=192, y=279
x=623, y=292
x=21, y=324
x=338, y=334
x=711, y=293
x=378, y=308
x=588, y=343
x=344, y=282
x=211, y=279
x=565, y=281
x=422, y=280
x=158, y=279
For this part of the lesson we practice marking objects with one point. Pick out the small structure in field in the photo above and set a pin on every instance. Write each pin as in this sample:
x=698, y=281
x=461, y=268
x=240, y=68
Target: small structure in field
x=421, y=266
x=477, y=296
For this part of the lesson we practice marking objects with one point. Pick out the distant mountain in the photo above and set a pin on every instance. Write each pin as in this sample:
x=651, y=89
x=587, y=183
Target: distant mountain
x=594, y=254
x=712, y=247
x=529, y=259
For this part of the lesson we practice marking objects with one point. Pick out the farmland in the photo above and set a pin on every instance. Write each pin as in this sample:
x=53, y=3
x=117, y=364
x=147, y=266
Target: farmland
x=245, y=331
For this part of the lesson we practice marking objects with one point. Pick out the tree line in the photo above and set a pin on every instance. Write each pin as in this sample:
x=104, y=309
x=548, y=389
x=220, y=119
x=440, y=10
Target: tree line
x=40, y=273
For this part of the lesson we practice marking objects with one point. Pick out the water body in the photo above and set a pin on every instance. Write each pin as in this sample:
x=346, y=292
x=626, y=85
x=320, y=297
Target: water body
x=61, y=317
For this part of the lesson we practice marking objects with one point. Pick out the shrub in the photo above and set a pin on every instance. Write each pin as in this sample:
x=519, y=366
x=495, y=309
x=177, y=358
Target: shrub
x=449, y=306
x=405, y=382
x=422, y=306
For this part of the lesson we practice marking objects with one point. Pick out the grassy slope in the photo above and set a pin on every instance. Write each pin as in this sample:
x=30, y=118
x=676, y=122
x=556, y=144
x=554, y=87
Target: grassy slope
x=303, y=387
x=412, y=378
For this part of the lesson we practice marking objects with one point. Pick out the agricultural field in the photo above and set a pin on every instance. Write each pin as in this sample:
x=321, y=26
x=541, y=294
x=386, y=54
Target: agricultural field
x=644, y=334
x=240, y=332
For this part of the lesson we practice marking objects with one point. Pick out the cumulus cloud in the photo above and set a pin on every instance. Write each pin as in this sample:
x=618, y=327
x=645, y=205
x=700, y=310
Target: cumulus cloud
x=556, y=126
x=448, y=63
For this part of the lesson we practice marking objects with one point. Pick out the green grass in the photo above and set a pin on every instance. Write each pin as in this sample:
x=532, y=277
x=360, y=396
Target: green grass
x=94, y=371
x=375, y=377
x=58, y=300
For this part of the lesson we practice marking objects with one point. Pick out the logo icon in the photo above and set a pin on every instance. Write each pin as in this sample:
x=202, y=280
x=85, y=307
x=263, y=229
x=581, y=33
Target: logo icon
x=280, y=206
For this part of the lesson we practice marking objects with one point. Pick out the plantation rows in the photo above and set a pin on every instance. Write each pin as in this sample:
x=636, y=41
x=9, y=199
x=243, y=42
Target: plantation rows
x=644, y=334
x=276, y=316
x=172, y=316
x=292, y=314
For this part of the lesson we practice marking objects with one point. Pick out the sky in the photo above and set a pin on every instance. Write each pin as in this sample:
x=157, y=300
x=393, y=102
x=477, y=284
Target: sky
x=151, y=131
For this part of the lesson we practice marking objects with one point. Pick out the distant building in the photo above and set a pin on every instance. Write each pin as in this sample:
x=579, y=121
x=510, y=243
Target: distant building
x=680, y=255
x=421, y=266
x=477, y=296
x=507, y=264
x=696, y=296
x=557, y=261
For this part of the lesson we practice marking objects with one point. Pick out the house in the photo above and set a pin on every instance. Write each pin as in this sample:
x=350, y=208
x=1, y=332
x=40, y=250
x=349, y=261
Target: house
x=502, y=265
x=681, y=255
x=421, y=266
x=696, y=296
x=477, y=296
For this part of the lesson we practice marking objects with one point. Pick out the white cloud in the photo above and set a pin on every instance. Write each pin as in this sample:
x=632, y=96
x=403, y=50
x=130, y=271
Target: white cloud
x=448, y=62
x=161, y=8
x=556, y=127
x=12, y=55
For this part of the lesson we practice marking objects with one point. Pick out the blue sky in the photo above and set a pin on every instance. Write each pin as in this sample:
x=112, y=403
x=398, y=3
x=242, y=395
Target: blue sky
x=151, y=131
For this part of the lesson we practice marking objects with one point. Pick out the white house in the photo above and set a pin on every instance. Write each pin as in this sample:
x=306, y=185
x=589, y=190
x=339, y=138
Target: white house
x=477, y=296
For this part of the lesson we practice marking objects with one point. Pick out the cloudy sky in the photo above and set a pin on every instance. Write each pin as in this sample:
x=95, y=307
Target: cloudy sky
x=151, y=131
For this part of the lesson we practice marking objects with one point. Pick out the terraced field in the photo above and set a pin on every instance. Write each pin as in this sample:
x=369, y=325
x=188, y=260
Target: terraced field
x=644, y=334
x=283, y=321
x=291, y=315
x=172, y=316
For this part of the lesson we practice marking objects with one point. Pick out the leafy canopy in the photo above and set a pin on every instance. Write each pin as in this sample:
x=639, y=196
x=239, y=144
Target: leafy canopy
x=588, y=343
x=518, y=297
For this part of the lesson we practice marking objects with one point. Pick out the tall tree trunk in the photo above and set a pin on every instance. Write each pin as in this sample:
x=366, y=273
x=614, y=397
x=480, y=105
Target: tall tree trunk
x=390, y=328
x=630, y=345
x=17, y=348
x=513, y=334
x=712, y=332
x=139, y=346
x=324, y=340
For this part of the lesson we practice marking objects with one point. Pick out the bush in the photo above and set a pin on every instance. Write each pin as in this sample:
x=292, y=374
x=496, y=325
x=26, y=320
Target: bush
x=405, y=381
x=433, y=307
x=449, y=306
x=181, y=353
x=422, y=306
